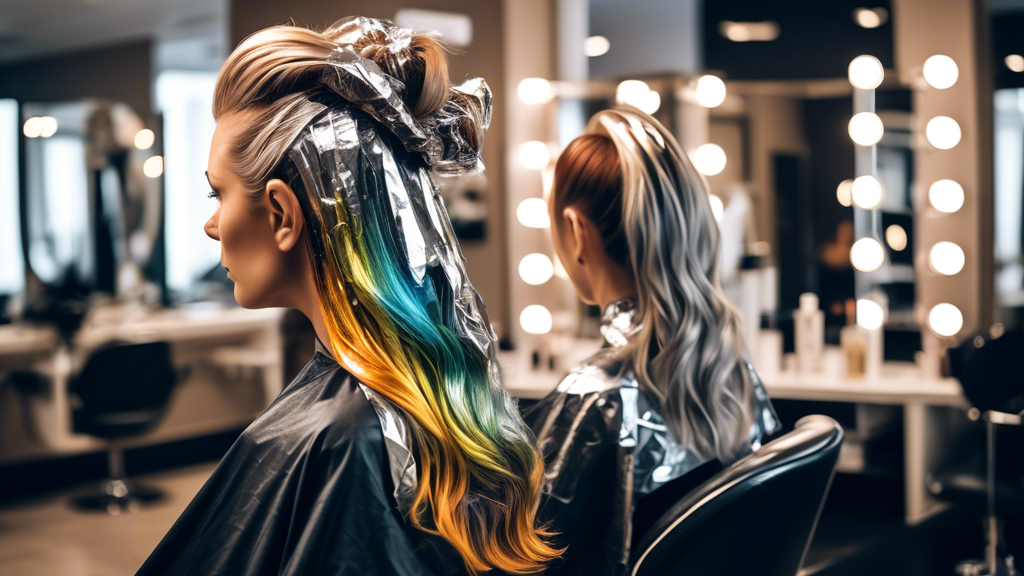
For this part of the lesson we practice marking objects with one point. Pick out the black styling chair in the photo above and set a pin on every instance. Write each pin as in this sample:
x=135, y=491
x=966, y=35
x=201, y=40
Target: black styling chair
x=990, y=371
x=756, y=516
x=122, y=391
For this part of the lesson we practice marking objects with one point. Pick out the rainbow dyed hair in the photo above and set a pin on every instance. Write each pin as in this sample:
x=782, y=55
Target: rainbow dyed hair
x=400, y=312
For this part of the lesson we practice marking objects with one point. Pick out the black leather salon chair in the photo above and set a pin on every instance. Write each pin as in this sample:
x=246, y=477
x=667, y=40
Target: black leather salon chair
x=756, y=516
x=985, y=468
x=122, y=391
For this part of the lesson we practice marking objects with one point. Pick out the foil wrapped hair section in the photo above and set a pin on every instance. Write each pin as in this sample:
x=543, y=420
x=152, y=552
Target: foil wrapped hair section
x=439, y=137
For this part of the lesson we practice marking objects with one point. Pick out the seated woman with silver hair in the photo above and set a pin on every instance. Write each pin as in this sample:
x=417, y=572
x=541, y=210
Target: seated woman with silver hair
x=670, y=394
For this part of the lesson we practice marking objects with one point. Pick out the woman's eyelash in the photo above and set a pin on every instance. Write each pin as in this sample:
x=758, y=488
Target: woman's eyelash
x=213, y=194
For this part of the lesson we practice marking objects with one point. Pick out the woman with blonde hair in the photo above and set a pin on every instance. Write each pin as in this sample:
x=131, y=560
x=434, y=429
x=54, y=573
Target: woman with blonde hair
x=670, y=392
x=396, y=450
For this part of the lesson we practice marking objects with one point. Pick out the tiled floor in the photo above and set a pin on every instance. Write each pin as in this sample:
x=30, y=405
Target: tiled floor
x=46, y=537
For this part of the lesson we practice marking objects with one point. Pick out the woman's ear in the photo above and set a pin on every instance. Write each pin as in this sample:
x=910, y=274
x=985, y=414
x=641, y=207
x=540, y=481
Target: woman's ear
x=286, y=217
x=575, y=221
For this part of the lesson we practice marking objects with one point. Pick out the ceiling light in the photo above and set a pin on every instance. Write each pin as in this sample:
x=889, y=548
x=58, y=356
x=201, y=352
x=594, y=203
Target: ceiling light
x=870, y=17
x=764, y=31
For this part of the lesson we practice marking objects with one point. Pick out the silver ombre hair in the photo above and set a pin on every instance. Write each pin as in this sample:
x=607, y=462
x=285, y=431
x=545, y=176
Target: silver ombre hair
x=689, y=352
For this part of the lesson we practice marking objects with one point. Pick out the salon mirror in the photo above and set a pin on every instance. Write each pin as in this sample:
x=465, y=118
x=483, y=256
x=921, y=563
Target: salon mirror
x=91, y=205
x=762, y=103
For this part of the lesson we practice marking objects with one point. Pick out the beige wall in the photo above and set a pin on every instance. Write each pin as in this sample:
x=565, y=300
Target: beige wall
x=486, y=261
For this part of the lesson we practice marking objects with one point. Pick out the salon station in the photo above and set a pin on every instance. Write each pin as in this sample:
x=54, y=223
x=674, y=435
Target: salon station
x=865, y=160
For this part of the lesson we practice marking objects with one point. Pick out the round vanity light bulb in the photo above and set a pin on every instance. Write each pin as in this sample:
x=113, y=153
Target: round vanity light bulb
x=596, y=46
x=946, y=196
x=33, y=127
x=844, y=192
x=153, y=167
x=896, y=237
x=535, y=91
x=534, y=155
x=866, y=129
x=867, y=192
x=866, y=72
x=145, y=139
x=709, y=159
x=649, y=103
x=533, y=213
x=536, y=269
x=710, y=91
x=867, y=255
x=1015, y=62
x=631, y=91
x=535, y=319
x=870, y=315
x=943, y=132
x=945, y=319
x=47, y=126
x=940, y=71
x=947, y=258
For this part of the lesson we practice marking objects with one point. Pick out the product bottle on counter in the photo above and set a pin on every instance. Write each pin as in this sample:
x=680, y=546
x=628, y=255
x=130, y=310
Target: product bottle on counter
x=854, y=341
x=809, y=333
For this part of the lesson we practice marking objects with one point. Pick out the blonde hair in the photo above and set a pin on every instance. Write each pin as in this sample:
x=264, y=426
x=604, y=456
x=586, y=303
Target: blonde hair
x=479, y=475
x=653, y=211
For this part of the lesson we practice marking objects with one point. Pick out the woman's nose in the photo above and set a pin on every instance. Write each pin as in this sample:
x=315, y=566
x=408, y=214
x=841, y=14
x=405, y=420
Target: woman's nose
x=211, y=228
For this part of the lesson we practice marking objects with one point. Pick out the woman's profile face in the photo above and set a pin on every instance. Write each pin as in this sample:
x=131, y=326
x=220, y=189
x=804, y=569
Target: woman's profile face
x=244, y=228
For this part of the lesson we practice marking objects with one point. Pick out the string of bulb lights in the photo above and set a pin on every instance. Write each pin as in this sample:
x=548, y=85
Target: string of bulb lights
x=867, y=192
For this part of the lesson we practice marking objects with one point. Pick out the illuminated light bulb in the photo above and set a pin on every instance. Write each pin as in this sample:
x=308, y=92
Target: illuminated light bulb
x=867, y=192
x=764, y=31
x=709, y=159
x=533, y=213
x=717, y=207
x=535, y=319
x=943, y=132
x=946, y=196
x=870, y=315
x=1015, y=62
x=536, y=269
x=534, y=155
x=940, y=71
x=535, y=91
x=844, y=192
x=945, y=319
x=866, y=129
x=596, y=46
x=649, y=103
x=947, y=258
x=33, y=127
x=47, y=126
x=145, y=139
x=867, y=255
x=153, y=167
x=710, y=91
x=870, y=18
x=896, y=237
x=866, y=72
x=631, y=92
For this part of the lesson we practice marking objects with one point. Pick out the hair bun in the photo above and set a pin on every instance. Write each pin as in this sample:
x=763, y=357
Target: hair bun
x=447, y=123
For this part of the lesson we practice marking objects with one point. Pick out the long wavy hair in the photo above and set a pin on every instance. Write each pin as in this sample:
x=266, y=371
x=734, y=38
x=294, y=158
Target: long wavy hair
x=652, y=209
x=479, y=474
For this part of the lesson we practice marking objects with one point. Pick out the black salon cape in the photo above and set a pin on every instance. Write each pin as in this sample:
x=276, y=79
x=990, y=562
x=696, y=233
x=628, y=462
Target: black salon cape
x=305, y=490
